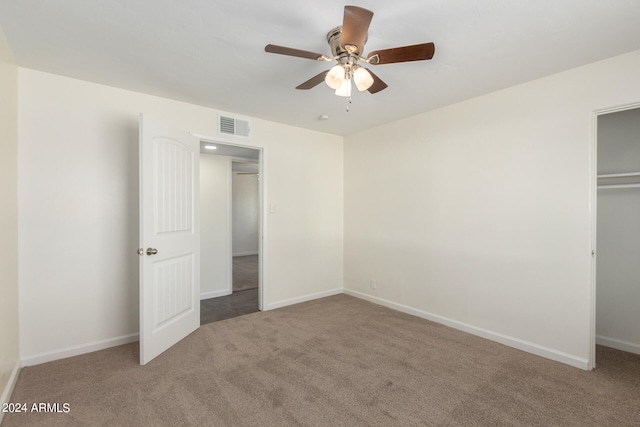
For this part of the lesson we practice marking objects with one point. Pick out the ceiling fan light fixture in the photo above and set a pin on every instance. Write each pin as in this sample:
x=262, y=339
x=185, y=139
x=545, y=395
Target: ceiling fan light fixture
x=362, y=78
x=347, y=42
x=335, y=77
x=345, y=88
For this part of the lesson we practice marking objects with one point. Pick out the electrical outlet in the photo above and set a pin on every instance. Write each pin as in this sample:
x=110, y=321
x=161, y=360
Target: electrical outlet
x=373, y=283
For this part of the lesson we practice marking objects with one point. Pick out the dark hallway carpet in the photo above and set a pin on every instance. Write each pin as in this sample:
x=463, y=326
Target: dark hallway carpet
x=243, y=300
x=245, y=272
x=237, y=304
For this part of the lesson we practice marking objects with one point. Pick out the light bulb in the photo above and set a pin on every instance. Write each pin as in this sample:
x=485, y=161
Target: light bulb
x=344, y=89
x=335, y=77
x=362, y=78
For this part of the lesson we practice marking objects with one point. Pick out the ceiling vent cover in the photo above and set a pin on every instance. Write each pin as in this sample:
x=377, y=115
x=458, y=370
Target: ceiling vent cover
x=231, y=126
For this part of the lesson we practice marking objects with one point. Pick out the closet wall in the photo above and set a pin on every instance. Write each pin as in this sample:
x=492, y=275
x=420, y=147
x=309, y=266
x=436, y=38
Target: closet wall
x=618, y=232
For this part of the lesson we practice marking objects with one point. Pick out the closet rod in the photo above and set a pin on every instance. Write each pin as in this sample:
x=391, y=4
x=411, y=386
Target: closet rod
x=618, y=175
x=607, y=187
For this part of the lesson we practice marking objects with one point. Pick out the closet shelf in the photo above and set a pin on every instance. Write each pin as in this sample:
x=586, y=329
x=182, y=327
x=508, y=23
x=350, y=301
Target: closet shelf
x=612, y=186
x=618, y=175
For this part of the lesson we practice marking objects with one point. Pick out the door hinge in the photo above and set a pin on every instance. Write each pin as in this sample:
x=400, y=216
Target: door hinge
x=593, y=253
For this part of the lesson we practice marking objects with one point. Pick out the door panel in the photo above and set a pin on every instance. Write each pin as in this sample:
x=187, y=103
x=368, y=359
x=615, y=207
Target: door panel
x=173, y=184
x=169, y=225
x=172, y=290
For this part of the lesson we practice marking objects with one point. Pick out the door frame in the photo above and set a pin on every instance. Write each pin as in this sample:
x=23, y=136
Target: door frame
x=262, y=195
x=593, y=206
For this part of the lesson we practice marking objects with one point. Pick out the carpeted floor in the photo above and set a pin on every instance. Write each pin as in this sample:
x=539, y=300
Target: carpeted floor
x=337, y=361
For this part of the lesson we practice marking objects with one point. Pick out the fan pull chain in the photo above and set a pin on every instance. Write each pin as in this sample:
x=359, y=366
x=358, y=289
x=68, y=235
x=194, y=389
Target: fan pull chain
x=348, y=104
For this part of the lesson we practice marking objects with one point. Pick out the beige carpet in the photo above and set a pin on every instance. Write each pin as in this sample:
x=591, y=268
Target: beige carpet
x=337, y=361
x=245, y=272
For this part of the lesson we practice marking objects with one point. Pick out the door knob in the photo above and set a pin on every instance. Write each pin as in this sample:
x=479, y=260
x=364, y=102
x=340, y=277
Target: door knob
x=152, y=251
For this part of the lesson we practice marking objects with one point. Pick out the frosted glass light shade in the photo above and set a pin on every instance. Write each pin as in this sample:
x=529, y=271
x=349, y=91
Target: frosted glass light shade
x=362, y=78
x=344, y=89
x=335, y=77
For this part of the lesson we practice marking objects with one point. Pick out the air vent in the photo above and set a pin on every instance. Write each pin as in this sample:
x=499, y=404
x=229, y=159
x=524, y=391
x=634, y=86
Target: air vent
x=232, y=126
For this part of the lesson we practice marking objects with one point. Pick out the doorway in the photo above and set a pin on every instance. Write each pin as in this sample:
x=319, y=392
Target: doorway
x=231, y=224
x=617, y=224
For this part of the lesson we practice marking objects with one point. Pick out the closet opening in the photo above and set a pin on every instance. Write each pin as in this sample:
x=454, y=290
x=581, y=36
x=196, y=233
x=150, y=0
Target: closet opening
x=617, y=230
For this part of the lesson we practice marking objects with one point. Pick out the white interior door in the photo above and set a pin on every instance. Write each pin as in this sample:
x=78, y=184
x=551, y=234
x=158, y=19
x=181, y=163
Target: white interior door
x=169, y=236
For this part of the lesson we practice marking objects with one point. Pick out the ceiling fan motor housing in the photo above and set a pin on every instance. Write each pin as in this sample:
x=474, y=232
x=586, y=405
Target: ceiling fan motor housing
x=334, y=38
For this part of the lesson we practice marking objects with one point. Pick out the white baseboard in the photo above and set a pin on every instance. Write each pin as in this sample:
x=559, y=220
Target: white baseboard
x=77, y=350
x=8, y=389
x=529, y=347
x=215, y=294
x=618, y=344
x=246, y=253
x=304, y=298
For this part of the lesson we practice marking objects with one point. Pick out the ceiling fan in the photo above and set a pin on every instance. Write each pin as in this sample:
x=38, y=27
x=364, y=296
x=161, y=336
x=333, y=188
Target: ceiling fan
x=347, y=46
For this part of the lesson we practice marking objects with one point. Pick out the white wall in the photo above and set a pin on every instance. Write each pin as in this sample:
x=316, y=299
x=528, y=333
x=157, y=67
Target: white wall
x=618, y=266
x=246, y=214
x=78, y=202
x=478, y=214
x=9, y=344
x=215, y=226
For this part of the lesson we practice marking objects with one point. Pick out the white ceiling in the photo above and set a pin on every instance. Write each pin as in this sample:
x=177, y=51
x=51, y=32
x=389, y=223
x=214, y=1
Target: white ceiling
x=211, y=53
x=236, y=151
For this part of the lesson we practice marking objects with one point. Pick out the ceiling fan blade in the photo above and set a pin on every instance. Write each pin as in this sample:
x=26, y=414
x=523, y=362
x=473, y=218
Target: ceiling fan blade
x=313, y=81
x=416, y=52
x=355, y=25
x=377, y=85
x=281, y=50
